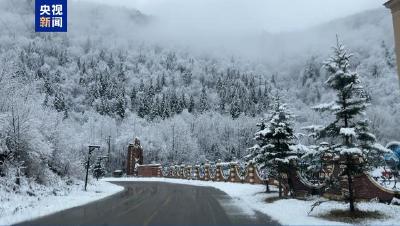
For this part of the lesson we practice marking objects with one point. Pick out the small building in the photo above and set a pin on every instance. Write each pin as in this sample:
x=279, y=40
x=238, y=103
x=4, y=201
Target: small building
x=135, y=167
x=394, y=6
x=135, y=157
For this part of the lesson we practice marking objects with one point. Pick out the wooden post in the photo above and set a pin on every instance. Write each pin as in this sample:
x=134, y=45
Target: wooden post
x=251, y=173
x=177, y=172
x=189, y=172
x=232, y=172
x=159, y=172
x=207, y=171
x=183, y=171
x=197, y=172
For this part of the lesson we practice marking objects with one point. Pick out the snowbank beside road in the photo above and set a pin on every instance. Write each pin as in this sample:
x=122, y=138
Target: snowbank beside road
x=16, y=208
x=287, y=211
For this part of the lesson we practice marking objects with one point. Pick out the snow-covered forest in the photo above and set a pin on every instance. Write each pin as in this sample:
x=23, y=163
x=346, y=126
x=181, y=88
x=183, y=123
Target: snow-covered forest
x=111, y=75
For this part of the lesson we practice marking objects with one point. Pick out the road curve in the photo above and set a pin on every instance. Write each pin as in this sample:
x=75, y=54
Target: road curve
x=157, y=203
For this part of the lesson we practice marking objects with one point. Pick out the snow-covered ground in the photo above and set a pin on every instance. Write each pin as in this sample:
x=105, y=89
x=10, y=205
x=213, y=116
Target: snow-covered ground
x=288, y=211
x=20, y=207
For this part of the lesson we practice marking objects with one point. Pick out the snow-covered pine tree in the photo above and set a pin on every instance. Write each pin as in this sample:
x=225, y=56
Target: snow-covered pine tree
x=313, y=159
x=348, y=105
x=373, y=151
x=191, y=104
x=98, y=170
x=120, y=105
x=183, y=102
x=389, y=55
x=203, y=102
x=255, y=153
x=132, y=97
x=272, y=151
x=311, y=81
x=235, y=107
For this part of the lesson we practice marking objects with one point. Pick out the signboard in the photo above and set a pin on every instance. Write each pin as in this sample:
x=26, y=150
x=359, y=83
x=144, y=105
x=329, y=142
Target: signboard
x=51, y=15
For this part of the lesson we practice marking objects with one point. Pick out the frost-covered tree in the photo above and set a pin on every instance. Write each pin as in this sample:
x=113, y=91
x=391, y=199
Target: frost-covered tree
x=120, y=105
x=98, y=170
x=389, y=56
x=311, y=82
x=203, y=102
x=348, y=106
x=191, y=104
x=235, y=109
x=274, y=138
x=373, y=151
x=132, y=97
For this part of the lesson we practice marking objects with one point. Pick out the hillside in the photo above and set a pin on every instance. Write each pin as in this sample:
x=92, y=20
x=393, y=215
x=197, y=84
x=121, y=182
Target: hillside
x=104, y=78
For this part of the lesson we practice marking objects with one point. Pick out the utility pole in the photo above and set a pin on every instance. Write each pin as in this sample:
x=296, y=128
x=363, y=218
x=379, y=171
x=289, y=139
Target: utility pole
x=109, y=154
x=91, y=149
x=173, y=141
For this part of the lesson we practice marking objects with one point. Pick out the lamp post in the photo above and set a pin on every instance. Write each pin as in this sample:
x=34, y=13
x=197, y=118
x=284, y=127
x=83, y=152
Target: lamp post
x=91, y=149
x=394, y=6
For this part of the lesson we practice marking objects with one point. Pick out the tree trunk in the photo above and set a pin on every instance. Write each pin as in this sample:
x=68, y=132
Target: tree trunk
x=267, y=186
x=280, y=187
x=351, y=195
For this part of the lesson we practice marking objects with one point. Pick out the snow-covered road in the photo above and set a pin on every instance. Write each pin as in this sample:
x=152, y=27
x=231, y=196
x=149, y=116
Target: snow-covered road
x=248, y=198
x=158, y=203
x=252, y=198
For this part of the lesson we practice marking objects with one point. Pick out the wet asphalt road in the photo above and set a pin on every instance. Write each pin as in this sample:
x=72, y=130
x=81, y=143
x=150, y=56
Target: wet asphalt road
x=155, y=203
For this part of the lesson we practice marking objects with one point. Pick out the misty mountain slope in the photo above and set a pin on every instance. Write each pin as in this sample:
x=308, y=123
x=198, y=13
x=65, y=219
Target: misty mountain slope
x=359, y=31
x=111, y=75
x=84, y=20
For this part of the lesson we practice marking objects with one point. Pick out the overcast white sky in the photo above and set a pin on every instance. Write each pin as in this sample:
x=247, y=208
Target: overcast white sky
x=269, y=15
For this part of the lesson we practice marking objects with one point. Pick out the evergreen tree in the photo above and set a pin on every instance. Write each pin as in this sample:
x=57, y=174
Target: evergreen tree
x=191, y=104
x=314, y=161
x=163, y=81
x=154, y=109
x=141, y=86
x=174, y=103
x=121, y=104
x=132, y=96
x=151, y=90
x=187, y=77
x=259, y=93
x=274, y=139
x=183, y=102
x=310, y=82
x=203, y=102
x=253, y=96
x=164, y=108
x=373, y=152
x=235, y=109
x=158, y=85
x=59, y=102
x=143, y=105
x=98, y=170
x=311, y=72
x=389, y=55
x=348, y=105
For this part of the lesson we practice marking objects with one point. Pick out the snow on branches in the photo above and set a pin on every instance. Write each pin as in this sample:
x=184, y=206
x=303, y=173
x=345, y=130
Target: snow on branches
x=274, y=141
x=349, y=132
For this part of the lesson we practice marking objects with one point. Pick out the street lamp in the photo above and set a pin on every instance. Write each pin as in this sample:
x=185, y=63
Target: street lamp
x=91, y=149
